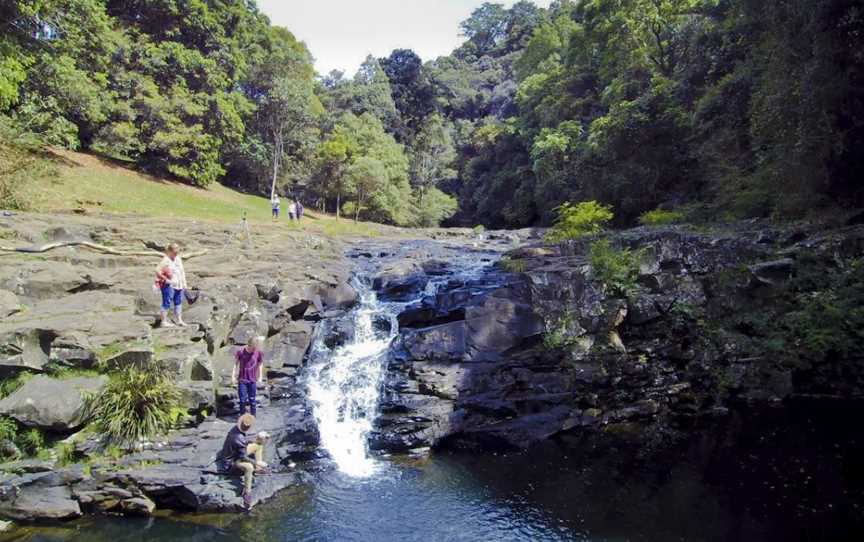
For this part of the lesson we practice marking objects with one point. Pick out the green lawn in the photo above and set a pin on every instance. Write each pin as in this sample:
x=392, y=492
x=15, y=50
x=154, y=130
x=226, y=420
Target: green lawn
x=104, y=186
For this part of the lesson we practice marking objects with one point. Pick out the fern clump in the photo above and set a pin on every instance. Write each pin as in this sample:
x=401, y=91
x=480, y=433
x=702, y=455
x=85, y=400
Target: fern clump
x=137, y=404
x=578, y=220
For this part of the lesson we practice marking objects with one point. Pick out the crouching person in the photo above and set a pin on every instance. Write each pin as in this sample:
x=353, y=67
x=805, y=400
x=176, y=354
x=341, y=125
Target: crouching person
x=242, y=455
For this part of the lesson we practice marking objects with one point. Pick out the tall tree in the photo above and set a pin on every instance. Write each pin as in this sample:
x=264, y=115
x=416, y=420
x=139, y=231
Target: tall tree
x=411, y=89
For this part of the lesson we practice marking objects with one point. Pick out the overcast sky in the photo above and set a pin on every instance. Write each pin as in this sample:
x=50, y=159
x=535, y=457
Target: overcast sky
x=340, y=33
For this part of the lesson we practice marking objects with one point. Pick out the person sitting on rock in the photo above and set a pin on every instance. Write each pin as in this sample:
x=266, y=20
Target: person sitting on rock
x=238, y=455
x=247, y=374
x=171, y=281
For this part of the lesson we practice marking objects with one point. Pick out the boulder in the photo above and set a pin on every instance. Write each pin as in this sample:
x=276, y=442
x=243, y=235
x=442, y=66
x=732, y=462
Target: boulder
x=138, y=506
x=184, y=352
x=52, y=404
x=9, y=303
x=400, y=281
x=197, y=397
x=23, y=349
x=35, y=497
x=253, y=323
x=499, y=324
x=446, y=342
x=337, y=296
x=288, y=348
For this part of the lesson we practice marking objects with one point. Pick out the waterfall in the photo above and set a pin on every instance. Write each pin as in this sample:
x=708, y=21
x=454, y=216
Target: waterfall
x=344, y=381
x=344, y=384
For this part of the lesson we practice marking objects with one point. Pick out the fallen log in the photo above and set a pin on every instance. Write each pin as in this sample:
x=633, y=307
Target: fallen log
x=93, y=246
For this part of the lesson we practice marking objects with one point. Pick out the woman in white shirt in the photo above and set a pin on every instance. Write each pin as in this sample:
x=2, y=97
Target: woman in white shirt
x=171, y=280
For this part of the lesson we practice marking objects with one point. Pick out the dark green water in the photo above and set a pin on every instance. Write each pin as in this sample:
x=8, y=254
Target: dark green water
x=794, y=474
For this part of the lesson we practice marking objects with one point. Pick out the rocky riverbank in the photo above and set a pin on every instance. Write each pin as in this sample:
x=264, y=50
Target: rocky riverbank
x=71, y=316
x=544, y=343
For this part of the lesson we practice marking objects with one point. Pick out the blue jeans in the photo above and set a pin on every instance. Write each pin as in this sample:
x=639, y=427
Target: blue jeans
x=169, y=294
x=247, y=392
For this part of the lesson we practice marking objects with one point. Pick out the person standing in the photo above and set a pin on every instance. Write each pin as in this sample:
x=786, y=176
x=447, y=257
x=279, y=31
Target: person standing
x=275, y=204
x=171, y=281
x=292, y=210
x=247, y=374
x=299, y=210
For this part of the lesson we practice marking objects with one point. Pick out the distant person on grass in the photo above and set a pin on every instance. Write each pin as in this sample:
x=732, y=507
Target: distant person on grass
x=299, y=210
x=275, y=205
x=240, y=455
x=292, y=211
x=247, y=374
x=171, y=282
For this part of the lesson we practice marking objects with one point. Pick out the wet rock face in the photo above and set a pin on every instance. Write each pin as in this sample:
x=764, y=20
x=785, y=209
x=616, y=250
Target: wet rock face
x=552, y=351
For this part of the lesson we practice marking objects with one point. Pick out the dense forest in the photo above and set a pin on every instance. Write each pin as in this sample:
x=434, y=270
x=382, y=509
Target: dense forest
x=703, y=108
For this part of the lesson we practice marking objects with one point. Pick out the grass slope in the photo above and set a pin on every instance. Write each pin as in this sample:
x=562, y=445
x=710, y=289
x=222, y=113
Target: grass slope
x=83, y=181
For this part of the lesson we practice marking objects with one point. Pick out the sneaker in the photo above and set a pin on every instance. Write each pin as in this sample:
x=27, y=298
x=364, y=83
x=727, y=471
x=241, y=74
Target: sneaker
x=181, y=323
x=247, y=500
x=166, y=323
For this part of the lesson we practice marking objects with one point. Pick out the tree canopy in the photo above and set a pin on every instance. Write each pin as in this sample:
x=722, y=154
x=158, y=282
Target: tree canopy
x=741, y=107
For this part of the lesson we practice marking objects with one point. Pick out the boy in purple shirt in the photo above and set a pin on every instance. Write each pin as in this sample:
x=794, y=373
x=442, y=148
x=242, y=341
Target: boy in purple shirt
x=247, y=374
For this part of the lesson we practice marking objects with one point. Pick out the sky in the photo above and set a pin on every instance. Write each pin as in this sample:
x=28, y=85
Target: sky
x=340, y=33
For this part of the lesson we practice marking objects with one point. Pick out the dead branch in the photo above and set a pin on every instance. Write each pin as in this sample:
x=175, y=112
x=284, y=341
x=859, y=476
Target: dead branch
x=93, y=246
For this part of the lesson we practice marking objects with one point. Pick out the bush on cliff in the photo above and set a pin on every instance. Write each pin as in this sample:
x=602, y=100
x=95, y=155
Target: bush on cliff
x=139, y=403
x=616, y=269
x=829, y=319
x=577, y=220
x=661, y=217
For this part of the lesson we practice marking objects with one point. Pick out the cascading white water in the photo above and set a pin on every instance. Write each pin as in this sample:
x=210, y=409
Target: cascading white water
x=344, y=383
x=344, y=386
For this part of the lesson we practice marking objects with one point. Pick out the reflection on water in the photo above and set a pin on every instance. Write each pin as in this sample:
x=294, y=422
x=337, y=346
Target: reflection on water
x=795, y=475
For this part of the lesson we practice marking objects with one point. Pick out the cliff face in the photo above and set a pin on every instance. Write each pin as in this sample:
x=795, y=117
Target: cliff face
x=702, y=323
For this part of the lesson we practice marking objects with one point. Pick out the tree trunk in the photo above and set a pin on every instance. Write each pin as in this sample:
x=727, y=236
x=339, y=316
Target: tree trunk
x=357, y=210
x=277, y=157
x=338, y=204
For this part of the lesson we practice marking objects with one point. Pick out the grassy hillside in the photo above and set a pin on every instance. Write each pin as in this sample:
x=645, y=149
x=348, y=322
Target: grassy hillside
x=84, y=182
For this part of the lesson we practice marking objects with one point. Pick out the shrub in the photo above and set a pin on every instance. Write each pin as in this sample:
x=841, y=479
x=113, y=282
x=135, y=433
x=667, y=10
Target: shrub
x=65, y=453
x=8, y=428
x=617, y=269
x=8, y=386
x=830, y=320
x=479, y=229
x=660, y=217
x=574, y=221
x=137, y=404
x=31, y=441
x=558, y=333
x=513, y=265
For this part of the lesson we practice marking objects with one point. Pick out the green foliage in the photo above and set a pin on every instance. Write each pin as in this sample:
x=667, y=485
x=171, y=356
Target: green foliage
x=829, y=320
x=513, y=265
x=660, y=217
x=433, y=207
x=65, y=453
x=8, y=428
x=618, y=270
x=558, y=333
x=10, y=385
x=138, y=403
x=31, y=441
x=579, y=220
